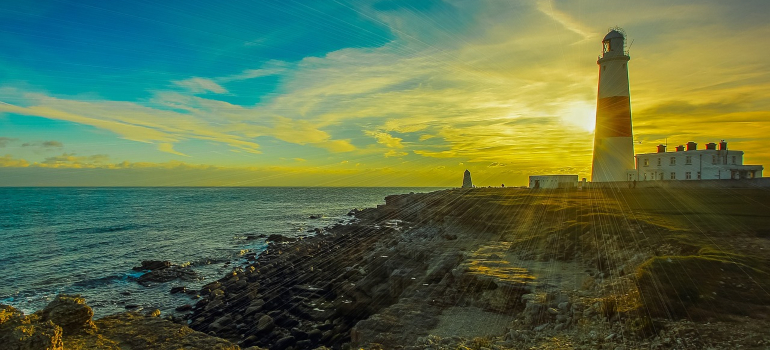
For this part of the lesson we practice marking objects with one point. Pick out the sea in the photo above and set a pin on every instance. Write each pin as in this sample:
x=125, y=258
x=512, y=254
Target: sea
x=87, y=240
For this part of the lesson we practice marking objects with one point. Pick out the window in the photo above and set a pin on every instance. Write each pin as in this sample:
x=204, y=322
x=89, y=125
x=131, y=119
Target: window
x=645, y=176
x=673, y=161
x=688, y=160
x=673, y=175
x=661, y=176
x=733, y=159
x=713, y=159
x=688, y=175
x=699, y=175
x=658, y=161
x=646, y=162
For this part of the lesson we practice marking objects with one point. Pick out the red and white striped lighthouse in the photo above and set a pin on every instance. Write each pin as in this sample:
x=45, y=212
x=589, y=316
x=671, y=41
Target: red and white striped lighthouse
x=613, y=136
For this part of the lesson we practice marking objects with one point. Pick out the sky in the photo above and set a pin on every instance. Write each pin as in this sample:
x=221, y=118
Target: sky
x=361, y=93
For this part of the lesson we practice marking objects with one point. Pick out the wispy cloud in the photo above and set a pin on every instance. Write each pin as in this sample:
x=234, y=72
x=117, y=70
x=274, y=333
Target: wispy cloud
x=44, y=144
x=201, y=85
x=549, y=9
x=386, y=139
x=4, y=141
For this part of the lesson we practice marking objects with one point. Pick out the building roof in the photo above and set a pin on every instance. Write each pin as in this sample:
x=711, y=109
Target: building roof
x=613, y=34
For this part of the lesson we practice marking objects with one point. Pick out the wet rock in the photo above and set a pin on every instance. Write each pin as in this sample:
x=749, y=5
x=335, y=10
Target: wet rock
x=304, y=344
x=265, y=324
x=167, y=274
x=153, y=313
x=221, y=323
x=149, y=265
x=184, y=308
x=71, y=313
x=298, y=334
x=181, y=289
x=284, y=343
x=315, y=335
x=280, y=238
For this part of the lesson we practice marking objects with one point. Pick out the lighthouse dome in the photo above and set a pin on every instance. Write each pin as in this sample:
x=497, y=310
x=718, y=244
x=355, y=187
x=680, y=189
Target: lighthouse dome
x=614, y=34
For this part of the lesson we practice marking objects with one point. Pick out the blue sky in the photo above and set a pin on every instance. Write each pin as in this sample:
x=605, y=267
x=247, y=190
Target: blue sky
x=381, y=92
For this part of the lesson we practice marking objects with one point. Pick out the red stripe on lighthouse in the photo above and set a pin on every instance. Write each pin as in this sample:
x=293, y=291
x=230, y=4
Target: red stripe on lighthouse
x=613, y=117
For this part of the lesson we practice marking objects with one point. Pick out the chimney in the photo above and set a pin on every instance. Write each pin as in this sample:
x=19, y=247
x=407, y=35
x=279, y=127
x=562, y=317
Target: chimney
x=680, y=148
x=711, y=145
x=691, y=146
x=661, y=148
x=723, y=145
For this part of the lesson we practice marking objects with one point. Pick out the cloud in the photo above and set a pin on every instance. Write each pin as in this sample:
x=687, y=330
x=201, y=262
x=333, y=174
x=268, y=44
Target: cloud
x=272, y=67
x=337, y=146
x=394, y=153
x=53, y=144
x=386, y=139
x=10, y=162
x=45, y=144
x=200, y=85
x=547, y=7
x=70, y=160
x=5, y=141
x=133, y=121
x=169, y=148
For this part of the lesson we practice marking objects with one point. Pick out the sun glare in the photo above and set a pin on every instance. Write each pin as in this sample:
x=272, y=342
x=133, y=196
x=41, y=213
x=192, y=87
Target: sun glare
x=581, y=114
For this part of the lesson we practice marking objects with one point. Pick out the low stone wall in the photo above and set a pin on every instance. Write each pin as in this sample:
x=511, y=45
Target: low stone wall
x=762, y=182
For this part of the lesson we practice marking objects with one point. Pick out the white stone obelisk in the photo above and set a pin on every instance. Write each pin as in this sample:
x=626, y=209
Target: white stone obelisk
x=467, y=183
x=613, y=135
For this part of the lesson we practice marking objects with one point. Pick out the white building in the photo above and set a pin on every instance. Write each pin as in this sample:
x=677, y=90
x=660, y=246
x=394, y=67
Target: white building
x=690, y=163
x=553, y=181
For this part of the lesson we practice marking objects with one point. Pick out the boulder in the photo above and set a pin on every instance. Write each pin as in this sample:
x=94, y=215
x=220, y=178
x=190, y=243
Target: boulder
x=27, y=332
x=284, y=343
x=153, y=313
x=265, y=324
x=153, y=265
x=167, y=274
x=71, y=313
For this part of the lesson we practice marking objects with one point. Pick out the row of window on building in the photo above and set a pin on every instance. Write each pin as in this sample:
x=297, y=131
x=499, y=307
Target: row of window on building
x=672, y=176
x=687, y=160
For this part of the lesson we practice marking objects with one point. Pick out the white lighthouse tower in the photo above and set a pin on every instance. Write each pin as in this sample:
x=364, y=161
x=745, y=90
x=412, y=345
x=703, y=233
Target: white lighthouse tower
x=613, y=136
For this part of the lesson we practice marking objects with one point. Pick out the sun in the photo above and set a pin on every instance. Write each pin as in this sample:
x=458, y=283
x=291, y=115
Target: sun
x=581, y=114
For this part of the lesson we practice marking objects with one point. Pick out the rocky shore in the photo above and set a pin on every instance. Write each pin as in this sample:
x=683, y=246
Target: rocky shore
x=479, y=269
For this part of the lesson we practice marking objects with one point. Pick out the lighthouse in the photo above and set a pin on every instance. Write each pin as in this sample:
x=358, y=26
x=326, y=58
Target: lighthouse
x=613, y=136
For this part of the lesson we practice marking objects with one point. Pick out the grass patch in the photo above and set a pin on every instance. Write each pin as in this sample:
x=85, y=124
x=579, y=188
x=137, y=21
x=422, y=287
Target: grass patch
x=703, y=287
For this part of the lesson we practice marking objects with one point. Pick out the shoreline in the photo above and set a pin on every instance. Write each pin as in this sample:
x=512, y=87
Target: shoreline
x=501, y=269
